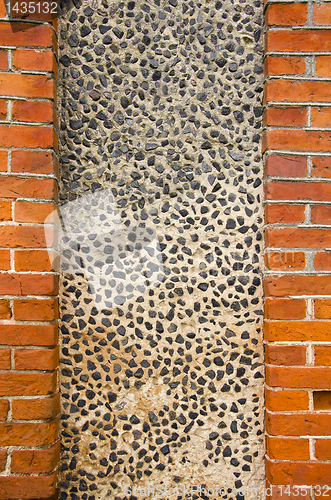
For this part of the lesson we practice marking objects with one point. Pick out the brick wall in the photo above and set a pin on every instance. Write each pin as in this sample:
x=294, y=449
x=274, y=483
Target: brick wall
x=297, y=145
x=29, y=401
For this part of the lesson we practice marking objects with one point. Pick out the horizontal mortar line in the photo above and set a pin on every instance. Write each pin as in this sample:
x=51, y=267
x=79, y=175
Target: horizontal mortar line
x=28, y=72
x=24, y=21
x=298, y=78
x=297, y=28
x=315, y=104
x=268, y=274
x=27, y=323
x=30, y=124
x=294, y=152
x=28, y=175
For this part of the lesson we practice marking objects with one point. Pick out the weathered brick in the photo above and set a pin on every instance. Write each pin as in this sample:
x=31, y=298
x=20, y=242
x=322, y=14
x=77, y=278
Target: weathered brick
x=27, y=487
x=33, y=111
x=27, y=384
x=5, y=210
x=35, y=310
x=26, y=211
x=286, y=117
x=38, y=335
x=323, y=65
x=285, y=261
x=297, y=91
x=23, y=237
x=25, y=136
x=22, y=85
x=33, y=59
x=3, y=161
x=286, y=166
x=28, y=284
x=298, y=40
x=3, y=109
x=4, y=260
x=290, y=376
x=36, y=162
x=321, y=214
x=285, y=214
x=287, y=449
x=278, y=308
x=35, y=461
x=38, y=35
x=293, y=331
x=298, y=238
x=4, y=408
x=296, y=139
x=285, y=354
x=286, y=14
x=36, y=359
x=322, y=261
x=323, y=355
x=306, y=424
x=5, y=310
x=3, y=460
x=28, y=434
x=5, y=359
x=321, y=117
x=297, y=473
x=34, y=260
x=322, y=308
x=36, y=409
x=280, y=286
x=286, y=400
x=322, y=13
x=285, y=65
x=15, y=187
x=3, y=59
x=323, y=449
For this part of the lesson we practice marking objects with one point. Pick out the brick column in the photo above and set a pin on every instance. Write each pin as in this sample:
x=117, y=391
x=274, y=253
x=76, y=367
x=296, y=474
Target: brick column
x=297, y=145
x=29, y=401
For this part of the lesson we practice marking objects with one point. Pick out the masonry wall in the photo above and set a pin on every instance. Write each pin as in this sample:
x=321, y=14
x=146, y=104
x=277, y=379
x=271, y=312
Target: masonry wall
x=297, y=280
x=29, y=400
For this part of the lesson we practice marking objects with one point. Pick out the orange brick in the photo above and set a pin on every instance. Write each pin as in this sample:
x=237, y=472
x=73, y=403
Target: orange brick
x=3, y=161
x=36, y=409
x=298, y=91
x=287, y=449
x=286, y=400
x=35, y=461
x=26, y=136
x=297, y=40
x=5, y=209
x=322, y=355
x=306, y=424
x=35, y=310
x=3, y=109
x=19, y=13
x=285, y=65
x=15, y=84
x=5, y=362
x=3, y=59
x=322, y=400
x=322, y=261
x=27, y=384
x=285, y=354
x=293, y=331
x=26, y=487
x=321, y=166
x=4, y=260
x=5, y=311
x=36, y=359
x=285, y=214
x=289, y=376
x=285, y=14
x=321, y=214
x=26, y=211
x=323, y=449
x=34, y=260
x=299, y=473
x=285, y=261
x=36, y=162
x=322, y=13
x=4, y=408
x=285, y=308
x=321, y=117
x=28, y=284
x=23, y=237
x=33, y=59
x=298, y=238
x=286, y=117
x=33, y=111
x=323, y=308
x=37, y=335
x=323, y=65
x=296, y=139
x=28, y=434
x=19, y=34
x=286, y=166
x=3, y=460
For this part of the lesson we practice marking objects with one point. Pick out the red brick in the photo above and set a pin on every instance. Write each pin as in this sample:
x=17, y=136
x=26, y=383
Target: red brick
x=3, y=59
x=5, y=209
x=322, y=400
x=289, y=376
x=35, y=310
x=298, y=238
x=26, y=211
x=323, y=308
x=25, y=136
x=4, y=260
x=286, y=308
x=322, y=13
x=38, y=335
x=323, y=449
x=286, y=400
x=285, y=261
x=34, y=260
x=285, y=354
x=285, y=65
x=286, y=166
x=281, y=286
x=321, y=117
x=28, y=434
x=35, y=461
x=306, y=424
x=5, y=310
x=31, y=16
x=285, y=14
x=298, y=40
x=28, y=284
x=5, y=362
x=3, y=161
x=3, y=460
x=33, y=111
x=322, y=261
x=36, y=162
x=27, y=487
x=27, y=384
x=37, y=359
x=321, y=166
x=15, y=84
x=321, y=214
x=298, y=473
x=323, y=65
x=286, y=117
x=298, y=91
x=277, y=492
x=285, y=214
x=3, y=109
x=36, y=409
x=20, y=34
x=22, y=237
x=323, y=355
x=33, y=59
x=295, y=139
x=4, y=408
x=293, y=331
x=286, y=449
